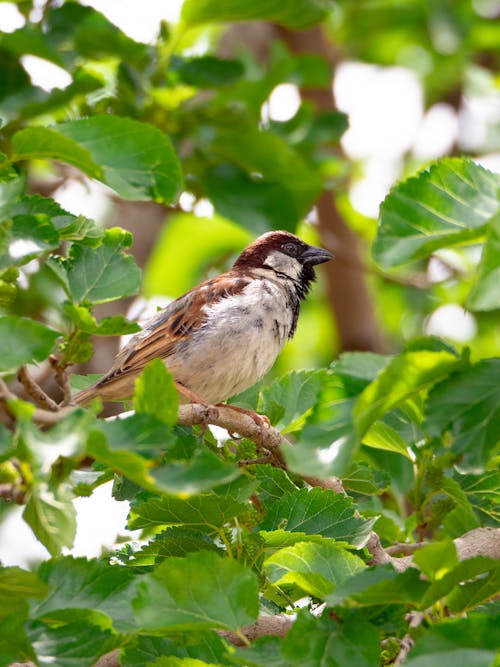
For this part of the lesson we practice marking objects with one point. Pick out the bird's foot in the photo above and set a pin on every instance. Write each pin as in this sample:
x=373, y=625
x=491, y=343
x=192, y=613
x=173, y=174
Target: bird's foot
x=261, y=420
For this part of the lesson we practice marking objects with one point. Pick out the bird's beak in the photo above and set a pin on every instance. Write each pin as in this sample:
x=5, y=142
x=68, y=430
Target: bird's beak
x=314, y=255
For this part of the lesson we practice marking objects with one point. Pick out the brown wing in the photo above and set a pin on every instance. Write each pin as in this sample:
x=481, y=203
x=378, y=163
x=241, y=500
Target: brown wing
x=163, y=333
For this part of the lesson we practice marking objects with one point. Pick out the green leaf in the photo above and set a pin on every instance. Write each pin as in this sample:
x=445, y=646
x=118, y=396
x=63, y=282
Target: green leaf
x=436, y=559
x=465, y=585
x=358, y=369
x=301, y=14
x=447, y=204
x=318, y=511
x=52, y=517
x=255, y=203
x=156, y=393
x=199, y=591
x=290, y=399
x=69, y=227
x=383, y=436
x=11, y=187
x=259, y=152
x=171, y=270
x=207, y=71
x=380, y=585
x=23, y=342
x=94, y=587
x=316, y=568
x=16, y=586
x=471, y=642
x=174, y=541
x=485, y=293
x=406, y=375
x=204, y=471
x=104, y=273
x=72, y=645
x=137, y=160
x=345, y=642
x=118, y=325
x=468, y=405
x=146, y=649
x=201, y=511
x=28, y=236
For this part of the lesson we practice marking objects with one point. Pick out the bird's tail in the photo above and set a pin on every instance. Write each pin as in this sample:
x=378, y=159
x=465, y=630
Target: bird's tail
x=85, y=396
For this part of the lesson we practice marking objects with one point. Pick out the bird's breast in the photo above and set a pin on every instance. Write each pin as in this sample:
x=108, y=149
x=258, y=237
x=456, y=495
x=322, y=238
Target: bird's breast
x=238, y=343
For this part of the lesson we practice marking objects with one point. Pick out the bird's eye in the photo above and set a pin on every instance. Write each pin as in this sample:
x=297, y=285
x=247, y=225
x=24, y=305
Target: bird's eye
x=290, y=249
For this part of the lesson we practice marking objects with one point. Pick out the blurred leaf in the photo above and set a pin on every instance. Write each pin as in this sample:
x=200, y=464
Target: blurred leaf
x=449, y=203
x=16, y=586
x=380, y=585
x=135, y=159
x=259, y=152
x=24, y=341
x=156, y=393
x=465, y=585
x=145, y=650
x=358, y=369
x=317, y=568
x=71, y=645
x=468, y=405
x=483, y=492
x=118, y=325
x=302, y=14
x=403, y=377
x=383, y=436
x=52, y=517
x=485, y=293
x=255, y=203
x=198, y=591
x=104, y=273
x=207, y=71
x=172, y=270
x=361, y=478
x=11, y=187
x=200, y=511
x=27, y=237
x=437, y=559
x=471, y=642
x=318, y=511
x=69, y=227
x=202, y=472
x=93, y=587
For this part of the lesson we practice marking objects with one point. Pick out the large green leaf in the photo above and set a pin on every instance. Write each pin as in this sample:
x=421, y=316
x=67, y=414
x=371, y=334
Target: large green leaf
x=104, y=273
x=135, y=159
x=93, y=587
x=467, y=404
x=16, y=586
x=406, y=375
x=202, y=511
x=259, y=152
x=202, y=590
x=315, y=567
x=299, y=14
x=448, y=204
x=318, y=511
x=255, y=203
x=471, y=642
x=485, y=294
x=146, y=650
x=27, y=237
x=24, y=341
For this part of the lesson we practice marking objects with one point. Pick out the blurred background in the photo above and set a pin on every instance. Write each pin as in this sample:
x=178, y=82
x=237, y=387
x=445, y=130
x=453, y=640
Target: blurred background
x=344, y=109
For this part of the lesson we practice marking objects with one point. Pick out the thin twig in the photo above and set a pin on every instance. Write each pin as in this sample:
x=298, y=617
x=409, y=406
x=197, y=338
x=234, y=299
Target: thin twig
x=35, y=391
x=62, y=377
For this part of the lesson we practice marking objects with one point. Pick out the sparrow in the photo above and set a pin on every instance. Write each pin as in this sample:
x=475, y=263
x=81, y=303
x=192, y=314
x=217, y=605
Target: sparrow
x=224, y=335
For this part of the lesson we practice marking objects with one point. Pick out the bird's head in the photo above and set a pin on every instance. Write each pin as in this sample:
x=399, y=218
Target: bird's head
x=284, y=255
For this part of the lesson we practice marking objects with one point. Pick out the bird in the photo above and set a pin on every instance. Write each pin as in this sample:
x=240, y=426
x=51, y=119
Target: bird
x=224, y=335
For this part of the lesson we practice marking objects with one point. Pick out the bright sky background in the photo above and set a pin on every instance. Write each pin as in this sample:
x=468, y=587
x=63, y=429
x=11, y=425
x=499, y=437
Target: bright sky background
x=387, y=119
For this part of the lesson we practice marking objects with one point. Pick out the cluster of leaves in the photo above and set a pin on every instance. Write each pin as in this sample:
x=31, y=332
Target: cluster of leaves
x=414, y=436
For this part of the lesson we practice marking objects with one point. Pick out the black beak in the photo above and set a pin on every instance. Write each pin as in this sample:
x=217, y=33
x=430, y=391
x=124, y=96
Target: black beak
x=314, y=255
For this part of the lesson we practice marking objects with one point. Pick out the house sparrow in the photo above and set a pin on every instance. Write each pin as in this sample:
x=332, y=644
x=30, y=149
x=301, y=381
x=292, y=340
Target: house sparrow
x=224, y=335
